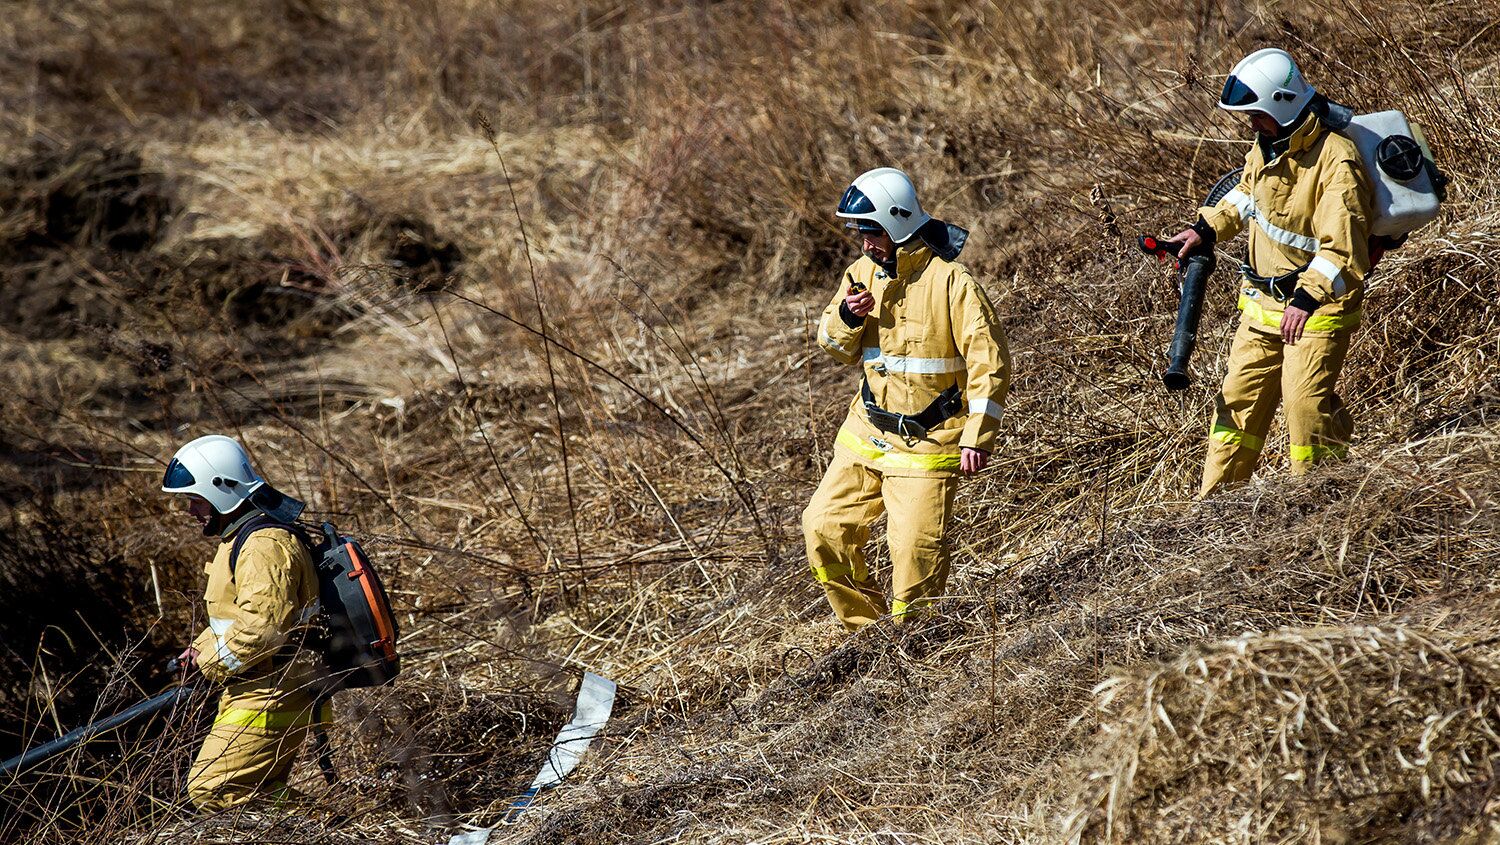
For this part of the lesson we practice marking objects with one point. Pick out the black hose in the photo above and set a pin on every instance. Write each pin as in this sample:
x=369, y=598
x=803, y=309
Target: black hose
x=1196, y=269
x=68, y=740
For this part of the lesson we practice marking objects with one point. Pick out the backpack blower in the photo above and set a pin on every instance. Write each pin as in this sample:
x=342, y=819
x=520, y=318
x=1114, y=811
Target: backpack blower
x=1408, y=189
x=357, y=640
x=1195, y=270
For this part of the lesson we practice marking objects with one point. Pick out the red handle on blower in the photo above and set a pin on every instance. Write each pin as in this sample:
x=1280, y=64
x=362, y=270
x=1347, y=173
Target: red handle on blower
x=1161, y=248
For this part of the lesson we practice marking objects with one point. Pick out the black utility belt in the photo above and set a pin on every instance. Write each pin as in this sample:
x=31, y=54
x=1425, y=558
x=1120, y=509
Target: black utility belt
x=948, y=404
x=1280, y=287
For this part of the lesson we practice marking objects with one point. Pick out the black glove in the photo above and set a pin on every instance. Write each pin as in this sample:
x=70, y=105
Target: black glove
x=1206, y=232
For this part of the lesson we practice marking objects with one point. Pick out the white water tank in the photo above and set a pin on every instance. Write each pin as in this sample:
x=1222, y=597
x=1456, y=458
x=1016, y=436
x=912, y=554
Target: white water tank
x=1391, y=149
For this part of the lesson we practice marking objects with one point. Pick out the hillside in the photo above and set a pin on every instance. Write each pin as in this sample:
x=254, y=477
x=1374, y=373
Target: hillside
x=524, y=295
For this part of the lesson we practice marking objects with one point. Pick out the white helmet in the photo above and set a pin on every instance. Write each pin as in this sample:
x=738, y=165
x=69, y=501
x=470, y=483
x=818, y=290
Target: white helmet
x=1267, y=81
x=216, y=468
x=884, y=198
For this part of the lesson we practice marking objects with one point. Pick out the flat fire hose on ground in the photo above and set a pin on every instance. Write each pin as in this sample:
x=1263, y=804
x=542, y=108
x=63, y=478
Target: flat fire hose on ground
x=596, y=700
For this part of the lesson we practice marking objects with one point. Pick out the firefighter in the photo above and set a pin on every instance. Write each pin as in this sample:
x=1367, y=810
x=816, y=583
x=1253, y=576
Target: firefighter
x=256, y=612
x=935, y=373
x=1306, y=200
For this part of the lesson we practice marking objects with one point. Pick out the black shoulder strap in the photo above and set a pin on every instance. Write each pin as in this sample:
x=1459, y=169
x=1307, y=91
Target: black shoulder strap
x=255, y=524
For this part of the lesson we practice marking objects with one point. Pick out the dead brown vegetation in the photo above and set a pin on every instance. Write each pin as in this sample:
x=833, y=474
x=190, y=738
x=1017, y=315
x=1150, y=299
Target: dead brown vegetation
x=282, y=223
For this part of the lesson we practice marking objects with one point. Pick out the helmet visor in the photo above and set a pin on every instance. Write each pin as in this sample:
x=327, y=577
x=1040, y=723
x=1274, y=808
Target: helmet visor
x=1237, y=94
x=178, y=477
x=855, y=202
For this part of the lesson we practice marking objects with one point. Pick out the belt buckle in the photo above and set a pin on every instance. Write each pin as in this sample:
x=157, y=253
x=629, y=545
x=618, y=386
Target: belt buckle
x=908, y=427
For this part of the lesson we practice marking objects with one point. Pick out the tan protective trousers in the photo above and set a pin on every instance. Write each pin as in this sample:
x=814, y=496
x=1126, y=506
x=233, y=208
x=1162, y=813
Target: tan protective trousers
x=1263, y=372
x=248, y=754
x=836, y=526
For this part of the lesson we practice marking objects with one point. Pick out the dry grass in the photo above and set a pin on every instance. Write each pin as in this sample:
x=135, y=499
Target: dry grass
x=673, y=165
x=1298, y=735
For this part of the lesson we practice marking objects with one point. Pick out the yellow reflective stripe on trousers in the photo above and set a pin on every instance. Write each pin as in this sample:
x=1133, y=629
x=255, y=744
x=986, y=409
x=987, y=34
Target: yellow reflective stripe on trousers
x=895, y=460
x=1235, y=437
x=272, y=720
x=1316, y=323
x=824, y=574
x=902, y=608
x=1312, y=454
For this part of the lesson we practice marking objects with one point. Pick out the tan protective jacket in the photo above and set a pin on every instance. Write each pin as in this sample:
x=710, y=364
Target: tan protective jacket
x=255, y=613
x=1312, y=203
x=932, y=327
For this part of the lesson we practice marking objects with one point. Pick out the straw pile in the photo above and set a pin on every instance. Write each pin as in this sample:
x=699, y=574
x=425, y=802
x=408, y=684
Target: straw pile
x=1298, y=735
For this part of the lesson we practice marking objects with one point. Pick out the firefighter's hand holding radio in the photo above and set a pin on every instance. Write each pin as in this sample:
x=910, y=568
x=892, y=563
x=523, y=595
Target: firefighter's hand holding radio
x=859, y=302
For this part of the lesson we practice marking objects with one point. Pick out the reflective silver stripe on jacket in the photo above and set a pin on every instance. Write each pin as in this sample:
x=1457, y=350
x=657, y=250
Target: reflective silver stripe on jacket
x=922, y=366
x=1245, y=205
x=1247, y=208
x=1242, y=202
x=988, y=407
x=1282, y=236
x=829, y=341
x=221, y=627
x=1332, y=271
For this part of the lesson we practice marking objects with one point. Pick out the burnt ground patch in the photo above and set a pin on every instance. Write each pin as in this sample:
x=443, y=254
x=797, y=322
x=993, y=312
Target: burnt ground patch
x=441, y=748
x=83, y=248
x=416, y=255
x=71, y=601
